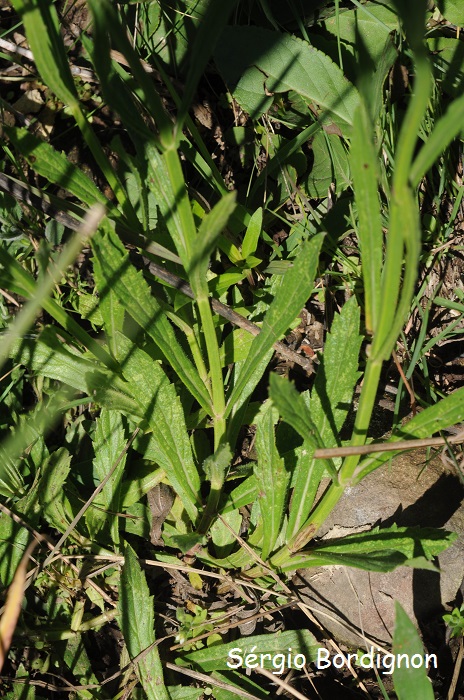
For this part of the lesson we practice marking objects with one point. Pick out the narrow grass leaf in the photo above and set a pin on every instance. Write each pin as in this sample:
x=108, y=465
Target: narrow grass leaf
x=411, y=682
x=137, y=623
x=291, y=296
x=134, y=294
x=363, y=160
x=211, y=26
x=43, y=33
x=163, y=412
x=445, y=130
x=272, y=478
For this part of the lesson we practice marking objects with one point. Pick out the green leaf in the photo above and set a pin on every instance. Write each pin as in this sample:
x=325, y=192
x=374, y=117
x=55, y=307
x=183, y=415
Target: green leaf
x=49, y=357
x=363, y=160
x=293, y=293
x=330, y=166
x=272, y=479
x=445, y=130
x=377, y=550
x=163, y=412
x=51, y=496
x=55, y=166
x=453, y=11
x=137, y=626
x=448, y=411
x=108, y=444
x=370, y=27
x=134, y=294
x=215, y=658
x=250, y=241
x=332, y=394
x=411, y=682
x=294, y=411
x=221, y=536
x=243, y=54
x=307, y=476
x=43, y=33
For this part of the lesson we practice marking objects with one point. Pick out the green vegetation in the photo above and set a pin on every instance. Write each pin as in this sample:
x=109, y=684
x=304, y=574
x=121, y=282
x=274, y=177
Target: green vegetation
x=157, y=287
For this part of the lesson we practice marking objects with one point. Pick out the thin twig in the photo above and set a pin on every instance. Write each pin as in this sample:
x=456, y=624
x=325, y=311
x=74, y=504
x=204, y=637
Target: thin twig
x=329, y=452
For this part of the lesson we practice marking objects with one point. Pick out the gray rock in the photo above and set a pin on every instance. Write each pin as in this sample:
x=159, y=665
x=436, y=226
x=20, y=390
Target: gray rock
x=353, y=604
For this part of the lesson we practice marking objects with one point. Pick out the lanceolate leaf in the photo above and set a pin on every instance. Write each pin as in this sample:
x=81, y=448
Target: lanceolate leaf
x=272, y=478
x=134, y=294
x=137, y=623
x=293, y=409
x=411, y=683
x=256, y=62
x=336, y=377
x=55, y=166
x=108, y=443
x=163, y=412
x=363, y=159
x=291, y=296
x=378, y=550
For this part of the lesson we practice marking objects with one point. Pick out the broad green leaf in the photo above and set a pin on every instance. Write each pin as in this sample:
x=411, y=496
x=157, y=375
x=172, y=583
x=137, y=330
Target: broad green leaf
x=370, y=27
x=162, y=410
x=244, y=54
x=448, y=411
x=363, y=161
x=449, y=61
x=294, y=411
x=111, y=309
x=134, y=294
x=410, y=680
x=293, y=293
x=49, y=357
x=55, y=166
x=244, y=494
x=272, y=478
x=215, y=658
x=14, y=538
x=52, y=499
x=250, y=241
x=223, y=539
x=137, y=623
x=453, y=11
x=330, y=166
x=306, y=479
x=337, y=374
x=108, y=443
x=377, y=550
